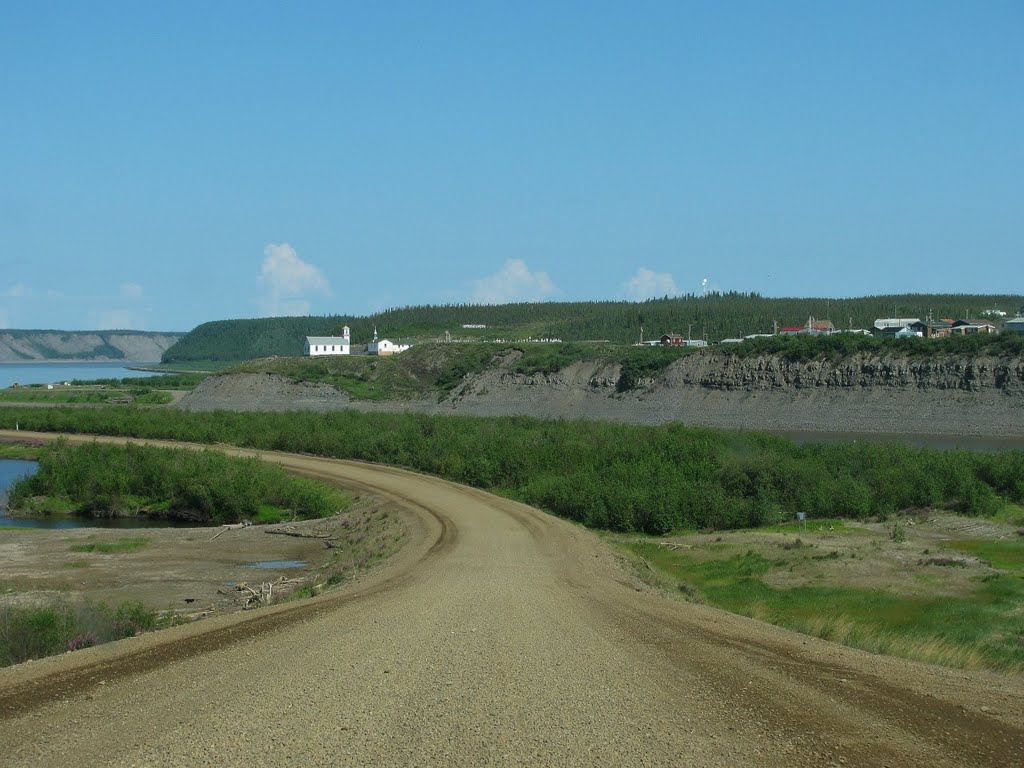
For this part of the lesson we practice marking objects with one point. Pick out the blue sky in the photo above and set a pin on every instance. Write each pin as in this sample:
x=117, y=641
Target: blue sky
x=165, y=165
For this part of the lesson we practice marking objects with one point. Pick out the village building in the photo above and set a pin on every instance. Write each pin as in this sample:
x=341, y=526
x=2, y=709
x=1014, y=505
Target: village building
x=931, y=328
x=965, y=327
x=887, y=326
x=678, y=340
x=329, y=345
x=384, y=347
x=1015, y=326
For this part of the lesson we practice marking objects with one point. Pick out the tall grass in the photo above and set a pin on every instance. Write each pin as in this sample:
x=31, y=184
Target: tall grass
x=34, y=631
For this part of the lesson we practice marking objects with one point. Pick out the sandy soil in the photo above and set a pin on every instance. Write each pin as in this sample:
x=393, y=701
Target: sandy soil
x=503, y=636
x=183, y=570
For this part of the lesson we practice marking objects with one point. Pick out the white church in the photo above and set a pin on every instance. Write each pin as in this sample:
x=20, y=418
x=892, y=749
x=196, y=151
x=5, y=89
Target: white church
x=329, y=345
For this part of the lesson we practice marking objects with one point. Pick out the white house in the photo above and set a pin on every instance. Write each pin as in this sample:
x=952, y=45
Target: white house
x=385, y=347
x=328, y=345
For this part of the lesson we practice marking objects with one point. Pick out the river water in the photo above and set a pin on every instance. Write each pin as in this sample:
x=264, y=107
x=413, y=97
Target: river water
x=50, y=373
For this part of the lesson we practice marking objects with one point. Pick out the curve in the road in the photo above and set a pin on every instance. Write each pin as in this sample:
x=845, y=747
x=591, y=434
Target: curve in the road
x=503, y=637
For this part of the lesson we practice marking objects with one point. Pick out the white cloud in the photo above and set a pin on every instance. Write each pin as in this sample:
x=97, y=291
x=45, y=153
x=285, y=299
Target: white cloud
x=288, y=280
x=513, y=282
x=117, y=319
x=131, y=291
x=648, y=284
x=18, y=290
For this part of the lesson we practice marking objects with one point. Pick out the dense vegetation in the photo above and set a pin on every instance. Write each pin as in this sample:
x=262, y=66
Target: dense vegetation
x=612, y=476
x=715, y=317
x=162, y=381
x=802, y=348
x=202, y=486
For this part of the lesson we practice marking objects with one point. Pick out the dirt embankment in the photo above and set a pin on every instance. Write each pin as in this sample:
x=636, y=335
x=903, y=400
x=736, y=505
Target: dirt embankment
x=861, y=393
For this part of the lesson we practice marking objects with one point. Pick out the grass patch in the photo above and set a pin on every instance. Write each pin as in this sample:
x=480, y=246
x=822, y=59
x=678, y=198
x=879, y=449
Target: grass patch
x=826, y=525
x=269, y=513
x=1010, y=514
x=19, y=451
x=984, y=630
x=1007, y=555
x=121, y=546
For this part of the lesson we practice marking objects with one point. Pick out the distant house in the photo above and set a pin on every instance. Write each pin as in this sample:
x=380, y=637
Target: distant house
x=801, y=330
x=678, y=340
x=383, y=347
x=882, y=323
x=821, y=326
x=931, y=328
x=1015, y=326
x=328, y=345
x=965, y=327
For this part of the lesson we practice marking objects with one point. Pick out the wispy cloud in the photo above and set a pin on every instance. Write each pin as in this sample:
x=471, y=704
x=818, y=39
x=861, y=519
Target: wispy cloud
x=289, y=280
x=513, y=282
x=117, y=319
x=648, y=284
x=18, y=290
x=131, y=291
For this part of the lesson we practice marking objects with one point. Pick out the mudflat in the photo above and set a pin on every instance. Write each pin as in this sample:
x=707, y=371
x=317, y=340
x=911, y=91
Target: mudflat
x=187, y=571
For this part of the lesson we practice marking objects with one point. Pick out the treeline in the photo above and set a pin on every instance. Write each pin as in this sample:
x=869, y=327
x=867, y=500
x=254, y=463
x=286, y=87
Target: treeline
x=97, y=480
x=614, y=476
x=715, y=316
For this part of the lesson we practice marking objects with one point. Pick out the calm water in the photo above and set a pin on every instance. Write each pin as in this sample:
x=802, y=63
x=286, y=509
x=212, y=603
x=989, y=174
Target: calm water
x=50, y=373
x=11, y=470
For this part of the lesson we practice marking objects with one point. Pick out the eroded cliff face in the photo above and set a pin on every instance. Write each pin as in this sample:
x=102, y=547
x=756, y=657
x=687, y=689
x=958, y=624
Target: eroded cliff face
x=856, y=372
x=31, y=346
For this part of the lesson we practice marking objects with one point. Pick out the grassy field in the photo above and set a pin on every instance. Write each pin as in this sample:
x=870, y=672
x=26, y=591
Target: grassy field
x=916, y=588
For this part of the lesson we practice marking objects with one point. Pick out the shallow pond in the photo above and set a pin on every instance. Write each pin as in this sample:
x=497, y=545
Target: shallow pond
x=279, y=564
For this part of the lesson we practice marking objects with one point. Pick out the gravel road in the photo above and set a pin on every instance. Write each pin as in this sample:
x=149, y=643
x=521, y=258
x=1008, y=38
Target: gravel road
x=501, y=636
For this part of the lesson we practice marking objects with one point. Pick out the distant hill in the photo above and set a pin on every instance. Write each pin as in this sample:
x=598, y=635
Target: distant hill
x=26, y=346
x=715, y=317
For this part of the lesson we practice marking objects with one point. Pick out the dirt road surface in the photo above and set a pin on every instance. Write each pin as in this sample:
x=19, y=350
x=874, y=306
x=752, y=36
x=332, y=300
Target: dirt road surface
x=501, y=636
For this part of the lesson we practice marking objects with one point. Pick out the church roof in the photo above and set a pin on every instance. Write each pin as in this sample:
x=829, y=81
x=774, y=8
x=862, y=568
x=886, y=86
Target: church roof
x=326, y=340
